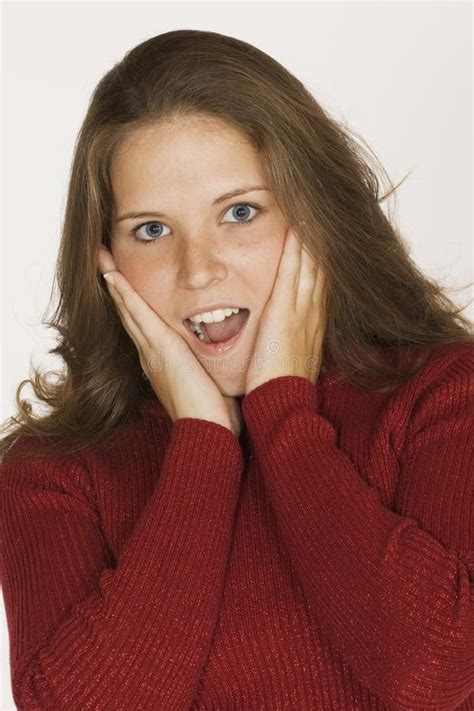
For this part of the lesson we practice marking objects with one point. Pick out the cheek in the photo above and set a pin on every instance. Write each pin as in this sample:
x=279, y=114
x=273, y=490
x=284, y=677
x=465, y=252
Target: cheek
x=134, y=270
x=146, y=278
x=267, y=265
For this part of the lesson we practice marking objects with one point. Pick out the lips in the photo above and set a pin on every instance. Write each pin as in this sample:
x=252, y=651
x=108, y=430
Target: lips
x=218, y=348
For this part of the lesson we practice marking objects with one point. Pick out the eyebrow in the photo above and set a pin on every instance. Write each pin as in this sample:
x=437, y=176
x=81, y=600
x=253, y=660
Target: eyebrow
x=226, y=196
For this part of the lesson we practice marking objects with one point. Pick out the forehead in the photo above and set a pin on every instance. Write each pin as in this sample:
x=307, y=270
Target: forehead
x=183, y=152
x=169, y=167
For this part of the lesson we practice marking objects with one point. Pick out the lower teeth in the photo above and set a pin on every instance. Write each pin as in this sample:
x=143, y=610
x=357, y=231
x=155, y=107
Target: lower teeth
x=200, y=334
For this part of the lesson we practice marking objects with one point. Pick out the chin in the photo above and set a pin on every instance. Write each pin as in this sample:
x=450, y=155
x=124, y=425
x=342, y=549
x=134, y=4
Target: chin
x=232, y=389
x=231, y=379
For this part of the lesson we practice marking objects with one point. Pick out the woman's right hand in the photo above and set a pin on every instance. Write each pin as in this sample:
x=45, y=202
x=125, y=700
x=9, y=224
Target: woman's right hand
x=178, y=379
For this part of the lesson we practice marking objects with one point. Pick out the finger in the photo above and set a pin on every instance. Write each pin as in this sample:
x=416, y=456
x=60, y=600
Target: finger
x=128, y=323
x=150, y=325
x=307, y=277
x=286, y=280
x=318, y=297
x=308, y=261
x=105, y=260
x=319, y=286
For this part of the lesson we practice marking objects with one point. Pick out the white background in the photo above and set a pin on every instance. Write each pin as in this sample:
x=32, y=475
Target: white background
x=399, y=73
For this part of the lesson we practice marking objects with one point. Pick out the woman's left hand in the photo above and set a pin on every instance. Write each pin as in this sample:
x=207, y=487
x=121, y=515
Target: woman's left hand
x=291, y=329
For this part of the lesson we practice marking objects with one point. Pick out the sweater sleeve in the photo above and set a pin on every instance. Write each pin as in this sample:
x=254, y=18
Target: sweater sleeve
x=87, y=635
x=396, y=601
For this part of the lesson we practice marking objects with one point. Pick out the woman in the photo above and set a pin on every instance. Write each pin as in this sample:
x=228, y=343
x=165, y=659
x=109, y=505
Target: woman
x=270, y=511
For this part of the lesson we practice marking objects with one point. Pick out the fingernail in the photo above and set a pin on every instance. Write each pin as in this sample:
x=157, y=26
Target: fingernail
x=109, y=278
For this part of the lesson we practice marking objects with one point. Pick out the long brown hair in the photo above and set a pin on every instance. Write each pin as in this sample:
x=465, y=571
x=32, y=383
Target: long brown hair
x=324, y=180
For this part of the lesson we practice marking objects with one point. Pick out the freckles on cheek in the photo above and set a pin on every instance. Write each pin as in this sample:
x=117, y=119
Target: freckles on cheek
x=137, y=273
x=269, y=265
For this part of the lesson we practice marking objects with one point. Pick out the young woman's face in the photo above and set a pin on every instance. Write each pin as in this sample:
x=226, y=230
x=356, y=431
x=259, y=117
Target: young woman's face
x=197, y=252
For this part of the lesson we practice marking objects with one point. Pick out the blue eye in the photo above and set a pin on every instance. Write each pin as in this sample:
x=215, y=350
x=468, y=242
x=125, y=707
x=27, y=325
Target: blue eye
x=148, y=225
x=244, y=205
x=154, y=237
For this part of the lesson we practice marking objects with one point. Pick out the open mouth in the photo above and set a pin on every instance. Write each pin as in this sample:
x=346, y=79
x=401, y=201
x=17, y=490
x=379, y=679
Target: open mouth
x=219, y=336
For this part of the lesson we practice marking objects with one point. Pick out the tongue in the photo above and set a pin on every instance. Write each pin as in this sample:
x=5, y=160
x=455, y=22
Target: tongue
x=223, y=330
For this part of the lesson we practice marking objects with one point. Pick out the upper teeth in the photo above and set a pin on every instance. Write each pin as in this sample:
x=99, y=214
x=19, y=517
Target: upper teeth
x=210, y=316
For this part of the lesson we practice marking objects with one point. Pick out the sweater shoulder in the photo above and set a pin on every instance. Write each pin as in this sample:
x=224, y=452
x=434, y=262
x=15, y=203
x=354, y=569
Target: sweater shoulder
x=440, y=395
x=27, y=453
x=445, y=364
x=33, y=471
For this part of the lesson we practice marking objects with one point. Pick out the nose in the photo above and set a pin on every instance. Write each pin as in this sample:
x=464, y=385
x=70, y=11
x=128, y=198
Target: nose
x=200, y=265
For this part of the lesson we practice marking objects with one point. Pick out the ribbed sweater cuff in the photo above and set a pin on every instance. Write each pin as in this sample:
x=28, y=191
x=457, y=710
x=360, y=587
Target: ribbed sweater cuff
x=265, y=407
x=213, y=445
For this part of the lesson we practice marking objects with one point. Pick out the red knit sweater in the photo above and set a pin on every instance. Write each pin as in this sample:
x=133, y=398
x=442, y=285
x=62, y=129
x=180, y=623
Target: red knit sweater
x=325, y=560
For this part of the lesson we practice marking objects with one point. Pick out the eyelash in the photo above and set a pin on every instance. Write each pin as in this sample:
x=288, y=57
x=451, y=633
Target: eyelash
x=150, y=222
